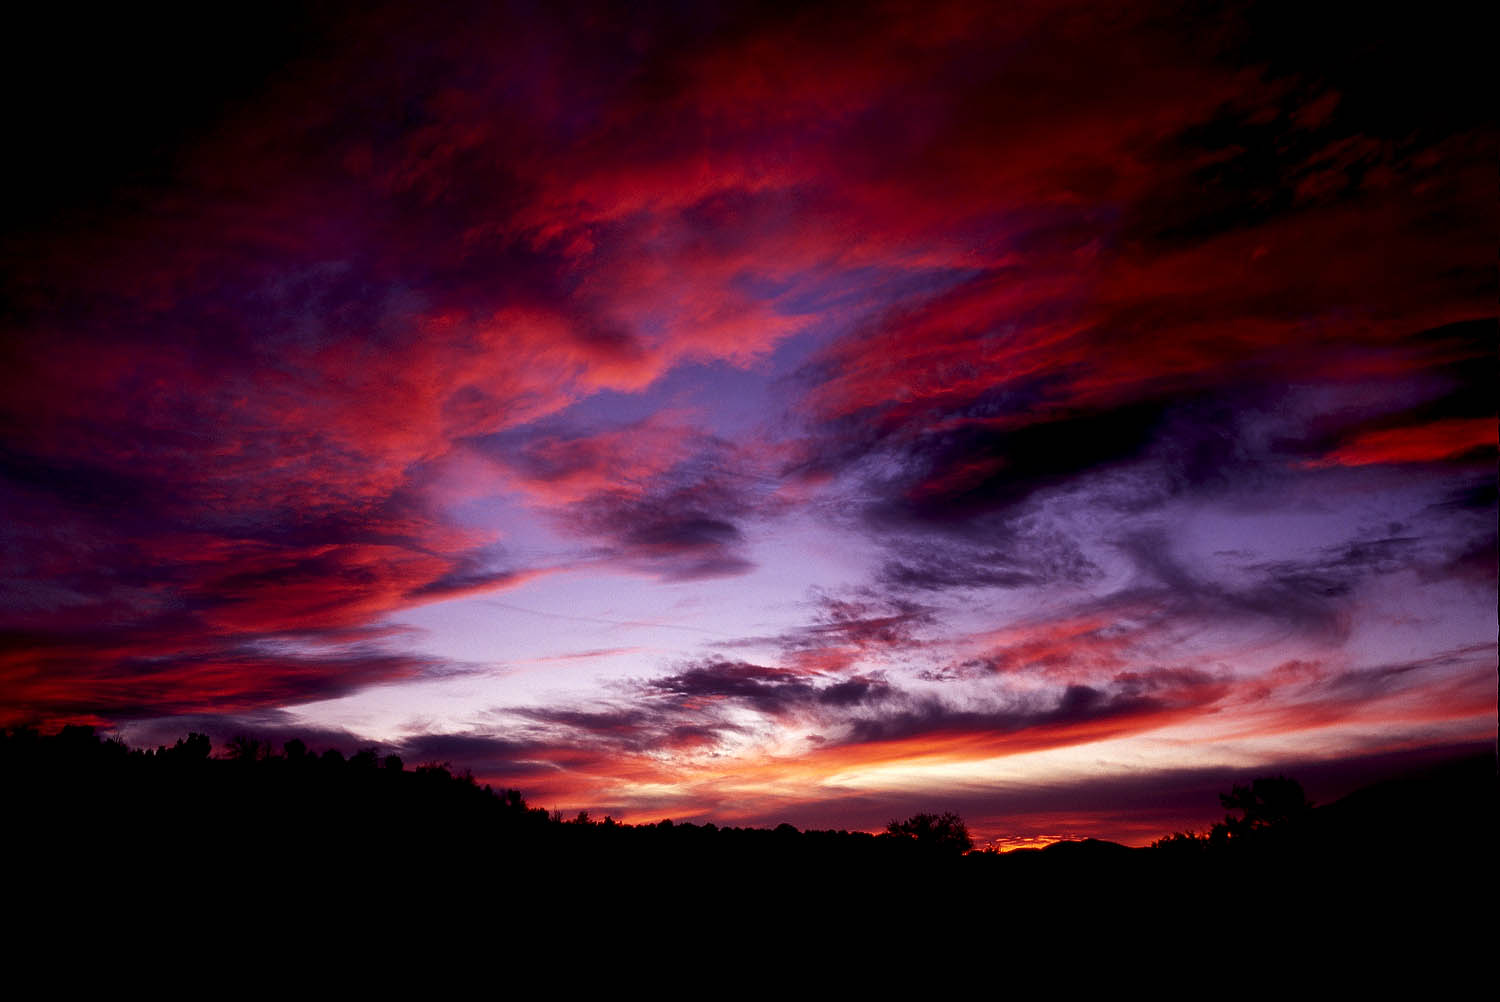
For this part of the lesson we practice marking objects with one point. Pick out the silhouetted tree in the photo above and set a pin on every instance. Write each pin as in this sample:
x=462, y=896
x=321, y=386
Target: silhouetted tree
x=1269, y=802
x=365, y=758
x=1186, y=841
x=943, y=832
x=194, y=748
x=246, y=749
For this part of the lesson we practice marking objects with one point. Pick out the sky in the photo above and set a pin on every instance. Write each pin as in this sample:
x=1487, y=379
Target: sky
x=810, y=413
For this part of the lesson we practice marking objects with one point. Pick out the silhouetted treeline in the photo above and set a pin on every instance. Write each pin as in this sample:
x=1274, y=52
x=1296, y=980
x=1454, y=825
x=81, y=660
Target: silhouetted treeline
x=92, y=817
x=93, y=811
x=71, y=781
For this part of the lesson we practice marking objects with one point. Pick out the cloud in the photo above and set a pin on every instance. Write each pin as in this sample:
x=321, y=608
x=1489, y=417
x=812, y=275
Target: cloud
x=1455, y=680
x=654, y=496
x=560, y=464
x=1309, y=597
x=700, y=708
x=1031, y=285
x=1428, y=443
x=1005, y=553
x=772, y=692
x=273, y=726
x=849, y=631
x=1136, y=807
x=930, y=725
x=716, y=705
x=683, y=524
x=484, y=754
x=89, y=681
x=473, y=572
x=1175, y=283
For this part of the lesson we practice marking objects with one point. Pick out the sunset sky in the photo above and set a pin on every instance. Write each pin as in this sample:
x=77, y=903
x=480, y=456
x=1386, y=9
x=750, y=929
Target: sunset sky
x=821, y=413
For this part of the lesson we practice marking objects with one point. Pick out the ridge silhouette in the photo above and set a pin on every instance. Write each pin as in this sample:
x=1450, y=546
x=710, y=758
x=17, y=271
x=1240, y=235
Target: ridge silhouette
x=293, y=831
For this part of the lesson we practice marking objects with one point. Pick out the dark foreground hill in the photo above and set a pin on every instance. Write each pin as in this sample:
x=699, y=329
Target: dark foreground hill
x=91, y=826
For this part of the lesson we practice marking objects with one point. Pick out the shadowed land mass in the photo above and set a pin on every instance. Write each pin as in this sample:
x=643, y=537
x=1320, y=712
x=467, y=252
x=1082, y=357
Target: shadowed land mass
x=823, y=413
x=95, y=820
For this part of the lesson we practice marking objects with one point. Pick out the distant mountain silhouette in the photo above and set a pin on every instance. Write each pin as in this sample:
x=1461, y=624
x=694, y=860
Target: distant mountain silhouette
x=1089, y=847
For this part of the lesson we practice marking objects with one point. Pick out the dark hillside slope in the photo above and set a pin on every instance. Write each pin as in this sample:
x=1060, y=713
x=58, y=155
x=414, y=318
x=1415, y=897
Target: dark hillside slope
x=93, y=822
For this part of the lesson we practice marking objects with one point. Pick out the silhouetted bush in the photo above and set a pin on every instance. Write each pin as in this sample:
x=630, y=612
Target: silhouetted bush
x=937, y=832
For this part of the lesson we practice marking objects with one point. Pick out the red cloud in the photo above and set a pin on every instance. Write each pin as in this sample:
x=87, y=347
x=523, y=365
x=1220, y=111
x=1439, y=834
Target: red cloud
x=223, y=399
x=1428, y=443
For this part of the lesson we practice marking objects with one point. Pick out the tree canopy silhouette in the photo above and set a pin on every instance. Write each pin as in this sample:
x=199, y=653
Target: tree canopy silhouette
x=1267, y=803
x=944, y=832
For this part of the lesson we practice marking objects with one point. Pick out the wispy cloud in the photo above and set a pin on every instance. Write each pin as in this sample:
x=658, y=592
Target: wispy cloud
x=1084, y=366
